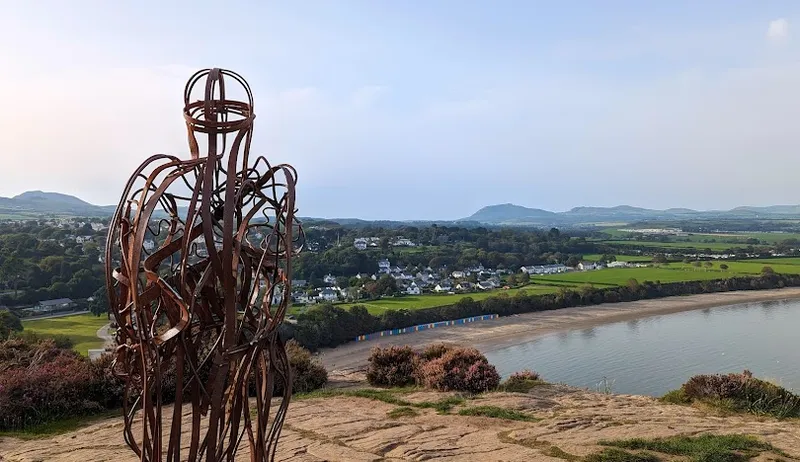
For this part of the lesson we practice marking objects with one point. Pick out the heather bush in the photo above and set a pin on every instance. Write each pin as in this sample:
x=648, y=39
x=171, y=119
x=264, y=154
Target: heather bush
x=307, y=373
x=394, y=366
x=460, y=369
x=522, y=381
x=40, y=382
x=739, y=392
x=435, y=351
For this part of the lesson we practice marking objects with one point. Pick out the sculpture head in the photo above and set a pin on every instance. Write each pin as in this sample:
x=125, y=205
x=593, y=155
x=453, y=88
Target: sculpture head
x=208, y=110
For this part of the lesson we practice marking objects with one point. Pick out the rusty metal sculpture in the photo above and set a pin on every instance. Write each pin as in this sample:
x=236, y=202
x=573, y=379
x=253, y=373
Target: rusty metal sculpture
x=198, y=265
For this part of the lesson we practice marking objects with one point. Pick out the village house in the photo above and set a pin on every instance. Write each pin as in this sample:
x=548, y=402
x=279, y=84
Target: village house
x=444, y=286
x=458, y=274
x=589, y=266
x=413, y=289
x=149, y=245
x=489, y=284
x=301, y=297
x=328, y=294
x=384, y=266
x=618, y=264
x=544, y=269
x=329, y=279
x=465, y=286
x=403, y=242
x=299, y=283
x=48, y=306
x=360, y=243
x=403, y=276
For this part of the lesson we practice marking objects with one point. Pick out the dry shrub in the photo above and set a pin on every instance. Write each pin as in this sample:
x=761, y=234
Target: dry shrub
x=522, y=381
x=40, y=382
x=460, y=369
x=742, y=392
x=435, y=351
x=307, y=373
x=394, y=366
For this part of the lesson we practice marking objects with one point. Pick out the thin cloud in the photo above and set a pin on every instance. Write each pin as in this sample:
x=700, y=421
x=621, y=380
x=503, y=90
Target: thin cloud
x=778, y=30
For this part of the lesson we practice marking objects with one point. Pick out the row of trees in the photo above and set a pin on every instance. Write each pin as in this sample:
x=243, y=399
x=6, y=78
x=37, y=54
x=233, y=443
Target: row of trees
x=462, y=248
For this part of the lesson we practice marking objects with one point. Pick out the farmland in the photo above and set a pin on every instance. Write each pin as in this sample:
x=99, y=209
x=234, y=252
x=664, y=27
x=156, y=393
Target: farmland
x=628, y=258
x=715, y=246
x=81, y=328
x=431, y=300
x=673, y=272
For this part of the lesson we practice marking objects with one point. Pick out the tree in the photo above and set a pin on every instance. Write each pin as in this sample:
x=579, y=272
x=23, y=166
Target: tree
x=8, y=324
x=708, y=264
x=523, y=278
x=386, y=285
x=767, y=271
x=659, y=258
x=723, y=267
x=98, y=305
x=607, y=258
x=573, y=261
x=697, y=264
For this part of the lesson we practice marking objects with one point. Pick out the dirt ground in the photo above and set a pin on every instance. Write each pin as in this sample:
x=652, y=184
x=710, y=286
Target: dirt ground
x=499, y=333
x=358, y=429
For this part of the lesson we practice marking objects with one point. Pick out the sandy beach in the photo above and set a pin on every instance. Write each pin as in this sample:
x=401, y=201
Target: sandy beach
x=511, y=330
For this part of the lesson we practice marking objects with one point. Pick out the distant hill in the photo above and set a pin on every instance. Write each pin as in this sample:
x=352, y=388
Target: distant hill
x=771, y=210
x=36, y=203
x=510, y=213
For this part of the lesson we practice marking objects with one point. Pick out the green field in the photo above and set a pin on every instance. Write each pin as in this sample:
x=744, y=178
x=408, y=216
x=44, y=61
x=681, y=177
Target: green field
x=679, y=245
x=673, y=272
x=81, y=328
x=697, y=238
x=417, y=302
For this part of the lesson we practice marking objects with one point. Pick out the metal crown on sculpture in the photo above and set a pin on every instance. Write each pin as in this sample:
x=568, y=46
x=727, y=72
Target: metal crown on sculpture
x=198, y=269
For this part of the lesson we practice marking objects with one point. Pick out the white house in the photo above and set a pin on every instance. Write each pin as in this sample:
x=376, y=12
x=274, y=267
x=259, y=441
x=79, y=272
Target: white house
x=329, y=279
x=83, y=239
x=384, y=266
x=444, y=286
x=544, y=269
x=301, y=297
x=328, y=294
x=465, y=286
x=360, y=243
x=299, y=283
x=588, y=266
x=149, y=245
x=403, y=242
x=457, y=274
x=403, y=276
x=413, y=289
x=617, y=264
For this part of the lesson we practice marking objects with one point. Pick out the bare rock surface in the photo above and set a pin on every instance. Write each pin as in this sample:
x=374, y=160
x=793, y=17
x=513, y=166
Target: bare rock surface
x=347, y=428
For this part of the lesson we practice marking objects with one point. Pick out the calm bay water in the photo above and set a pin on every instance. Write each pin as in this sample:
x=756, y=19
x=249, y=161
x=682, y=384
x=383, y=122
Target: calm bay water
x=651, y=356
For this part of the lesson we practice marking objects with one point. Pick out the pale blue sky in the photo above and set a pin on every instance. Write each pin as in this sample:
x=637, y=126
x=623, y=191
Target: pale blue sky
x=421, y=109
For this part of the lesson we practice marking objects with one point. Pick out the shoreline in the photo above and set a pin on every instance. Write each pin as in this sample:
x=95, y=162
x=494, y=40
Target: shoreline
x=508, y=331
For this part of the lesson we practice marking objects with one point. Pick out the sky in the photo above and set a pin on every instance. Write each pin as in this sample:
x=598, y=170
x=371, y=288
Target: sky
x=420, y=109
